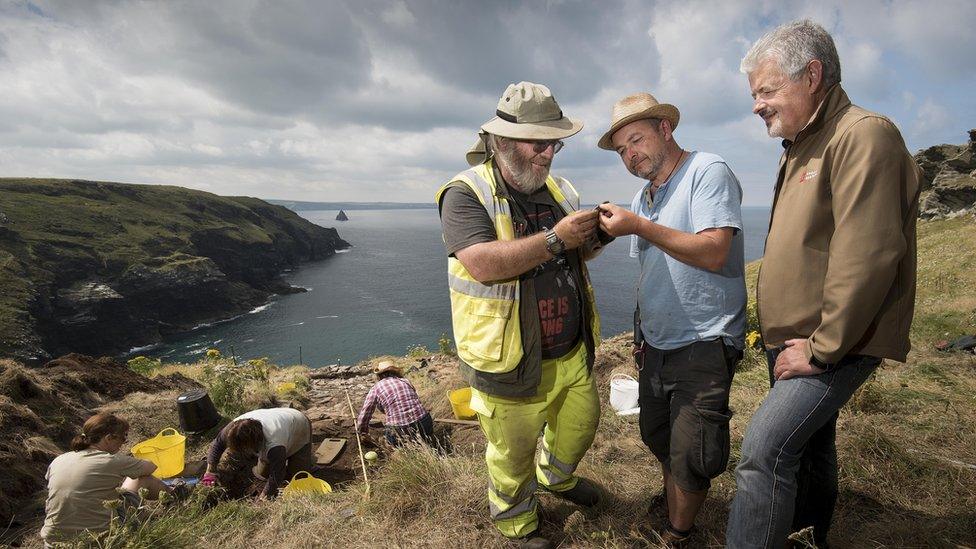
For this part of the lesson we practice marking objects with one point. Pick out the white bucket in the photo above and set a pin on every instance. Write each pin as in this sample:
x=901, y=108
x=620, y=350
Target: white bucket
x=623, y=392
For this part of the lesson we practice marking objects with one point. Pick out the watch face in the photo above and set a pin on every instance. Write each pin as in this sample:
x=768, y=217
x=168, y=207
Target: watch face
x=554, y=244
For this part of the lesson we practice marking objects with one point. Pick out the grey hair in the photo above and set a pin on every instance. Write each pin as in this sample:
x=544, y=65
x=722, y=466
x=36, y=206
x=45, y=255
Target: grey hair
x=793, y=45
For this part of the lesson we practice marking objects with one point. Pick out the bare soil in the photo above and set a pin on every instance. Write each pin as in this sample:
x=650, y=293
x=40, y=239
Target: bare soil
x=42, y=408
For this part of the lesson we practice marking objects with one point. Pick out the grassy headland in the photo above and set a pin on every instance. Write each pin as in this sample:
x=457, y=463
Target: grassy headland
x=906, y=443
x=98, y=267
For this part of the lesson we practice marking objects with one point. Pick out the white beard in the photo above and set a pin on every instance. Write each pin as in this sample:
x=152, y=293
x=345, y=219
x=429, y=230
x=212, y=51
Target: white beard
x=529, y=177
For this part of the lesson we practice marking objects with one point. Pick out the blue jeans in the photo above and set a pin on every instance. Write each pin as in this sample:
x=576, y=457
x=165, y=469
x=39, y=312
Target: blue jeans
x=787, y=477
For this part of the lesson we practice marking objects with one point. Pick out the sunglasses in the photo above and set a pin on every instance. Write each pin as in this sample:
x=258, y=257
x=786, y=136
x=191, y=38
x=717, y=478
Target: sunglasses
x=541, y=146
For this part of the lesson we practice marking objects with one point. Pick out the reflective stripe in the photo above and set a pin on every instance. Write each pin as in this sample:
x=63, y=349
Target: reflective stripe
x=555, y=471
x=486, y=192
x=526, y=506
x=527, y=490
x=506, y=291
x=565, y=468
x=523, y=502
x=565, y=195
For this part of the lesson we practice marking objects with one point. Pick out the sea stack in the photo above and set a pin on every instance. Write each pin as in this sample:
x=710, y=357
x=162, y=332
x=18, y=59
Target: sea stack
x=342, y=216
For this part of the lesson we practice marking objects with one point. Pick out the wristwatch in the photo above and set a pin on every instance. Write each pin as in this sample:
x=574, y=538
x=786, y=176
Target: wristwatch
x=554, y=244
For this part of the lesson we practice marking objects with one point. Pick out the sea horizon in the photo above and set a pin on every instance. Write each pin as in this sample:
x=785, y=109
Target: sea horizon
x=387, y=294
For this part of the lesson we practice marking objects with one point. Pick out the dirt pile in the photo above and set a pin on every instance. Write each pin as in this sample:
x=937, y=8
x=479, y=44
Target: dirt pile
x=42, y=408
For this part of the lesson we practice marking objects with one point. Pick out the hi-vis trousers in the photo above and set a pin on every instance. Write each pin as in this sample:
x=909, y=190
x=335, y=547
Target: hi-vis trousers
x=568, y=405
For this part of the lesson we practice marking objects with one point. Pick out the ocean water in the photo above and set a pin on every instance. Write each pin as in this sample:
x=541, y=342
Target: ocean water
x=388, y=293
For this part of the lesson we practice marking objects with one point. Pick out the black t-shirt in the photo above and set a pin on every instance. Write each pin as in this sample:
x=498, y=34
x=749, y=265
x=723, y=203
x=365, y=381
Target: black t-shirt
x=465, y=222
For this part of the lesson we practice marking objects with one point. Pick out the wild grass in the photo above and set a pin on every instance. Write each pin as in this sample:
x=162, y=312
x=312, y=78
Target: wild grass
x=906, y=444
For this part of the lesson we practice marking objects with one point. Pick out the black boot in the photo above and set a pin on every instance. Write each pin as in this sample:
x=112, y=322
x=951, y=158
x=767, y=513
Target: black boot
x=533, y=541
x=584, y=494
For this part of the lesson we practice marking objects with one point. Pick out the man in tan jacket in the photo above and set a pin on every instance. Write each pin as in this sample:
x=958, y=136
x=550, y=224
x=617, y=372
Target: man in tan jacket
x=836, y=290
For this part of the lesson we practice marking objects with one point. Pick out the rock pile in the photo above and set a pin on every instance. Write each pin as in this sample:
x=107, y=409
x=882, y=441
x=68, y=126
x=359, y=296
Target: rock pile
x=949, y=183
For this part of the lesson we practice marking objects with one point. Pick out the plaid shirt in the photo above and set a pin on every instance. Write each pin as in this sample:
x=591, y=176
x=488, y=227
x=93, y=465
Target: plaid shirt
x=395, y=397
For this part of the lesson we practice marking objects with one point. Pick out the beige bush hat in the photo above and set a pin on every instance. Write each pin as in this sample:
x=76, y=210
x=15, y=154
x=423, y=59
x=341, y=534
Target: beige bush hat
x=478, y=152
x=386, y=366
x=639, y=106
x=529, y=111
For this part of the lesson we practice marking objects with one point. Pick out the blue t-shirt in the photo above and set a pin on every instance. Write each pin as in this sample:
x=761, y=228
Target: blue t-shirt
x=681, y=304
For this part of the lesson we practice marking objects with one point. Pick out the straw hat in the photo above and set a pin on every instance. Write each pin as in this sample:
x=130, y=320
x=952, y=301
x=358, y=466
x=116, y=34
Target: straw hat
x=386, y=366
x=639, y=106
x=529, y=111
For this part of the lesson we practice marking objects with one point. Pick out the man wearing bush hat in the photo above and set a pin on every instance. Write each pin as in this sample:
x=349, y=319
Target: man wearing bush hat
x=524, y=318
x=686, y=223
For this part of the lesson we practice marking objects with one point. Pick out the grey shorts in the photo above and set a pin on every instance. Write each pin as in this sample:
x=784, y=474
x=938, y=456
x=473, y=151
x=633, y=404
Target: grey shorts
x=684, y=409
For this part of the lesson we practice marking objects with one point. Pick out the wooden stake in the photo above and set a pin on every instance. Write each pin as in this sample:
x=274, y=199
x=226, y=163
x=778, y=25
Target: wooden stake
x=465, y=422
x=359, y=443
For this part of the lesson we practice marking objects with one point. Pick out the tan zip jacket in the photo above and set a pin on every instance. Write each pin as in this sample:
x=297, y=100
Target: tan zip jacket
x=839, y=265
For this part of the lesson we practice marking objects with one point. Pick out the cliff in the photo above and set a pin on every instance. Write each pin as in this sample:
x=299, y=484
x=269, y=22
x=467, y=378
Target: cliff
x=949, y=185
x=98, y=268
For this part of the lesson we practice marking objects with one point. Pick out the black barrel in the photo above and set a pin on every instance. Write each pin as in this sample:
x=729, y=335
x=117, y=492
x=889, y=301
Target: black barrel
x=197, y=412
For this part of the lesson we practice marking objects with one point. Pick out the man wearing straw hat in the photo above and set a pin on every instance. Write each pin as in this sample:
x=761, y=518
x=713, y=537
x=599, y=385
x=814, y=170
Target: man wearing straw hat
x=686, y=223
x=525, y=323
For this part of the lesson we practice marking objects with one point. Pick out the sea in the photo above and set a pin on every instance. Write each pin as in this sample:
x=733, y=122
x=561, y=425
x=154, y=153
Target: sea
x=387, y=294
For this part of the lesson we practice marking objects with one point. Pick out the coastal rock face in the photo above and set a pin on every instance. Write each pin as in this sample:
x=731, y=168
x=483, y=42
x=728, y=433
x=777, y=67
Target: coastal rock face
x=99, y=268
x=949, y=184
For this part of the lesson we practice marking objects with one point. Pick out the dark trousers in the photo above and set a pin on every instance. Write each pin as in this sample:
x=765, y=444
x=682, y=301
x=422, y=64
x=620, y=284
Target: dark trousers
x=421, y=430
x=684, y=409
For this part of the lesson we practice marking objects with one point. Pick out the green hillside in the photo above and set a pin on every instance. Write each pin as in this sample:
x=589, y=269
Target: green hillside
x=99, y=267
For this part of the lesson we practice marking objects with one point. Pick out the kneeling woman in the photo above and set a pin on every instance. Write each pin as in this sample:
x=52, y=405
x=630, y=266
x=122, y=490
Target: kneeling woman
x=79, y=481
x=280, y=437
x=406, y=417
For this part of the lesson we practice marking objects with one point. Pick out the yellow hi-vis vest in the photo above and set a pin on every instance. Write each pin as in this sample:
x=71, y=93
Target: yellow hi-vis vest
x=485, y=317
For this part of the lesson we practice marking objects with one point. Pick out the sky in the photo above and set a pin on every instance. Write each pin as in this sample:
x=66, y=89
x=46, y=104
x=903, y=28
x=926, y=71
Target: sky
x=368, y=100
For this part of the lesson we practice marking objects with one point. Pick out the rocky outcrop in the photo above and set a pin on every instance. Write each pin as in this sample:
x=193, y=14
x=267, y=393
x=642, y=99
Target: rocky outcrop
x=99, y=268
x=949, y=184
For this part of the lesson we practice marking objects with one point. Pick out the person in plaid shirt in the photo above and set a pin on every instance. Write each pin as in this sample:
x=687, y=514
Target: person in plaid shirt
x=406, y=417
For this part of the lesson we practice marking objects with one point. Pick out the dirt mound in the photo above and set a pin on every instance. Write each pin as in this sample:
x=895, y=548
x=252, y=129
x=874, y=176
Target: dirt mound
x=41, y=409
x=109, y=378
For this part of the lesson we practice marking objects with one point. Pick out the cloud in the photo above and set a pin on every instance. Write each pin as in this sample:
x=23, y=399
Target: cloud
x=931, y=118
x=379, y=100
x=700, y=46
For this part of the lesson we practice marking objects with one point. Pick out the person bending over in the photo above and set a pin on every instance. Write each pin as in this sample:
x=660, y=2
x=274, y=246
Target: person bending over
x=406, y=417
x=281, y=438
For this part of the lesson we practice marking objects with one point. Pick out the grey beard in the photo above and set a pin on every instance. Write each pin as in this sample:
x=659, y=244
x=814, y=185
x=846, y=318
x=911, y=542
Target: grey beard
x=655, y=166
x=525, y=179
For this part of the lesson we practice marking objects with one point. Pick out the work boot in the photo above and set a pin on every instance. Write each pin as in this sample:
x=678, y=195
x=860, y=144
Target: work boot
x=533, y=541
x=658, y=506
x=669, y=536
x=584, y=494
x=675, y=539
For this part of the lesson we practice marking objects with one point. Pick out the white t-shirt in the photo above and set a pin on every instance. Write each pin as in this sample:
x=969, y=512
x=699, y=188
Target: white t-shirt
x=77, y=484
x=282, y=427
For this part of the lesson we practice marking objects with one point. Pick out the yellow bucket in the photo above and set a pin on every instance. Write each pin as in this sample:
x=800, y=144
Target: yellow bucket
x=306, y=485
x=166, y=450
x=461, y=403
